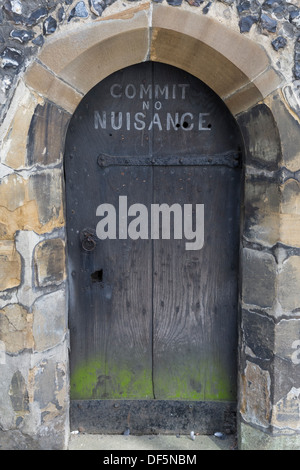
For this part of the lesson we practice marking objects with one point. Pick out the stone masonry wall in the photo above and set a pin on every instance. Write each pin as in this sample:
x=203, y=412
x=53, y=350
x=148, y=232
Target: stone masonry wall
x=33, y=294
x=270, y=295
x=33, y=283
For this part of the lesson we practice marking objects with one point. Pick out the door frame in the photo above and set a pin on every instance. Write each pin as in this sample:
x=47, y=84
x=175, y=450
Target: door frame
x=253, y=92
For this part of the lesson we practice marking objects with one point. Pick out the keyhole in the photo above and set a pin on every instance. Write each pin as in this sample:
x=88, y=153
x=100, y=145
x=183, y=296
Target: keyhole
x=97, y=276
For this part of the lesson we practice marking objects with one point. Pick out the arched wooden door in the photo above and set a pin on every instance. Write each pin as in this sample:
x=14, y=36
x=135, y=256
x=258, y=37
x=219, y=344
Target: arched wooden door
x=153, y=172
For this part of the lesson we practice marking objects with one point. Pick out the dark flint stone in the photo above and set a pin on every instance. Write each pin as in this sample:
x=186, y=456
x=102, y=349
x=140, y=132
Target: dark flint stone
x=269, y=3
x=195, y=3
x=49, y=25
x=280, y=12
x=79, y=11
x=244, y=5
x=61, y=14
x=279, y=43
x=22, y=35
x=247, y=22
x=36, y=16
x=274, y=4
x=32, y=20
x=39, y=41
x=268, y=23
x=97, y=6
x=206, y=8
x=297, y=71
x=294, y=14
x=174, y=3
x=15, y=17
x=2, y=41
x=297, y=60
x=12, y=58
x=295, y=17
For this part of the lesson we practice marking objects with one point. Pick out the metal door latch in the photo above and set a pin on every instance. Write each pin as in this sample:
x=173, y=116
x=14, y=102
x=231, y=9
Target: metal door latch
x=88, y=239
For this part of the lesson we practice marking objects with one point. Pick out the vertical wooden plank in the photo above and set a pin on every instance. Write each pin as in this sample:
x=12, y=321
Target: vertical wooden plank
x=110, y=287
x=111, y=301
x=195, y=292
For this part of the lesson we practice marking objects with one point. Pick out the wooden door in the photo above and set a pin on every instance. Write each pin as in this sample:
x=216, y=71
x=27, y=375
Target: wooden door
x=153, y=314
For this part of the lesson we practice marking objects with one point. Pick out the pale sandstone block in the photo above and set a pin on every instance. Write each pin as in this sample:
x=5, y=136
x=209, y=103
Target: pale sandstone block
x=197, y=58
x=10, y=265
x=255, y=405
x=262, y=217
x=288, y=284
x=286, y=411
x=225, y=60
x=25, y=207
x=259, y=277
x=49, y=320
x=62, y=49
x=12, y=192
x=48, y=85
x=246, y=55
x=120, y=51
x=14, y=144
x=16, y=328
x=287, y=340
x=290, y=230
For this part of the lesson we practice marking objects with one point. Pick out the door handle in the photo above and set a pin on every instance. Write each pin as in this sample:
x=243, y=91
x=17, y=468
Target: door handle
x=88, y=239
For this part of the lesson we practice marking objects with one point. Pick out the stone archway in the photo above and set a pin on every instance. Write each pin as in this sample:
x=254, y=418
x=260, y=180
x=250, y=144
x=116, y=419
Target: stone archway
x=239, y=71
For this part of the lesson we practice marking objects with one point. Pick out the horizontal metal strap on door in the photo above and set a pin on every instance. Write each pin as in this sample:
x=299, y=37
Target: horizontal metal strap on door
x=229, y=159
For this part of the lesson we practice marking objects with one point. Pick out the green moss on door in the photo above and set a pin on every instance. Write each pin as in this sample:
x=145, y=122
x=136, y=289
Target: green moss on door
x=99, y=380
x=204, y=380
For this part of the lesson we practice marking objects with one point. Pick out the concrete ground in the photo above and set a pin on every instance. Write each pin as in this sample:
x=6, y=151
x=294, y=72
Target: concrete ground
x=82, y=441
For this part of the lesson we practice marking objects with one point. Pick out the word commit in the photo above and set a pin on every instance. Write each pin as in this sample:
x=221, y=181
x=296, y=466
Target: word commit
x=160, y=222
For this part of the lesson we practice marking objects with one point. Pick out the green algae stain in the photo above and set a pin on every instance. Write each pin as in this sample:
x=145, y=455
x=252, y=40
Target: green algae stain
x=202, y=380
x=97, y=380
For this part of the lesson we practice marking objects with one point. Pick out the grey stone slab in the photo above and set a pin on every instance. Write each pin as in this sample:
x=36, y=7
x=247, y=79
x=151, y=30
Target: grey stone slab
x=83, y=441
